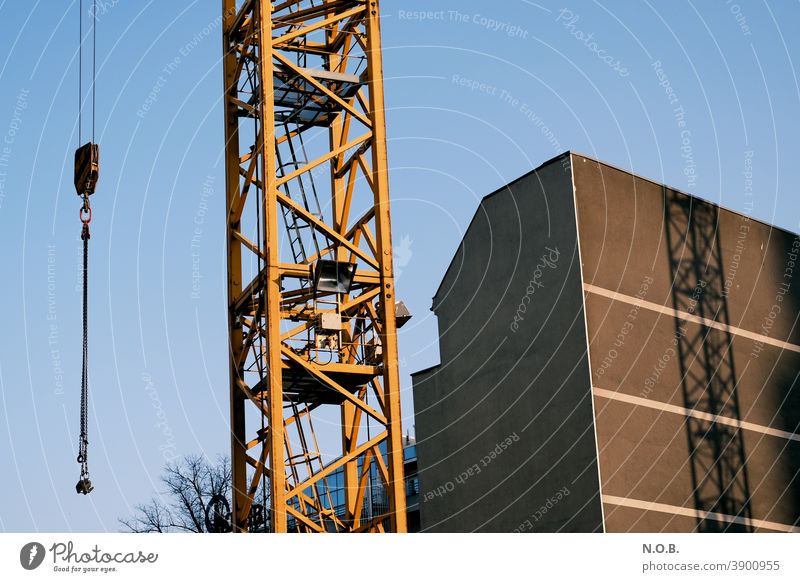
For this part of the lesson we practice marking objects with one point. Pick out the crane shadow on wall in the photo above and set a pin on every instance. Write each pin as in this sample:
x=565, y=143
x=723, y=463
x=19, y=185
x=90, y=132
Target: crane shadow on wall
x=716, y=451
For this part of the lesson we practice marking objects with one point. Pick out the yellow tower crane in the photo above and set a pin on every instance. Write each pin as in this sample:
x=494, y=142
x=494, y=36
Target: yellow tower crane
x=311, y=298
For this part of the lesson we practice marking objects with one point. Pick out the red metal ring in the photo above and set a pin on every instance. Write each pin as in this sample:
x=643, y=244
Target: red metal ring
x=80, y=213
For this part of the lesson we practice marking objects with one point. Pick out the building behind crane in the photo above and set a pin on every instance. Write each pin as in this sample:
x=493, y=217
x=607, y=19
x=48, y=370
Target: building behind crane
x=616, y=356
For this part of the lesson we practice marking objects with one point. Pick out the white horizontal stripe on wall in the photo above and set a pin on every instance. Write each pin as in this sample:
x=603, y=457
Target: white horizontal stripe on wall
x=697, y=513
x=726, y=420
x=671, y=312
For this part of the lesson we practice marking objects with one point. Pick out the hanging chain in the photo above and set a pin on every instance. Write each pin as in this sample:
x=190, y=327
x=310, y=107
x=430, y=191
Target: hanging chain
x=84, y=484
x=86, y=217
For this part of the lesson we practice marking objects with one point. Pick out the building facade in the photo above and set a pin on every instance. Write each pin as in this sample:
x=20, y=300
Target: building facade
x=615, y=356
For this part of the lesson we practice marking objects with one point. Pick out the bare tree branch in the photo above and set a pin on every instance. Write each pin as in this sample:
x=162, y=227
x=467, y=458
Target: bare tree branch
x=188, y=487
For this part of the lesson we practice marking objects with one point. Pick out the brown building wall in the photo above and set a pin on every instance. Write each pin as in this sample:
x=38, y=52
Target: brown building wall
x=689, y=307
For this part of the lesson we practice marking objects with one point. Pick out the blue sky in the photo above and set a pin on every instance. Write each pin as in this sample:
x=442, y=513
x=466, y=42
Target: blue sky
x=478, y=93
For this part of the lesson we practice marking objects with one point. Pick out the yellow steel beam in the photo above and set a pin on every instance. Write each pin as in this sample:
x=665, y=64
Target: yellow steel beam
x=319, y=373
x=237, y=398
x=273, y=291
x=335, y=465
x=325, y=229
x=322, y=159
x=322, y=88
x=380, y=179
x=361, y=488
x=303, y=31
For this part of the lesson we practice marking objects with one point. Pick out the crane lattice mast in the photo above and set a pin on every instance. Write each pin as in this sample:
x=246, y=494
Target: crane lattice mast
x=312, y=313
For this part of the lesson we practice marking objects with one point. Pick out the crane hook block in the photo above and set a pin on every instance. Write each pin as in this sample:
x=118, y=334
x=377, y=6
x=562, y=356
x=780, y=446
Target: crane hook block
x=84, y=486
x=87, y=168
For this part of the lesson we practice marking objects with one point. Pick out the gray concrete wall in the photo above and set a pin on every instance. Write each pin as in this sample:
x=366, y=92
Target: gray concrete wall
x=505, y=425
